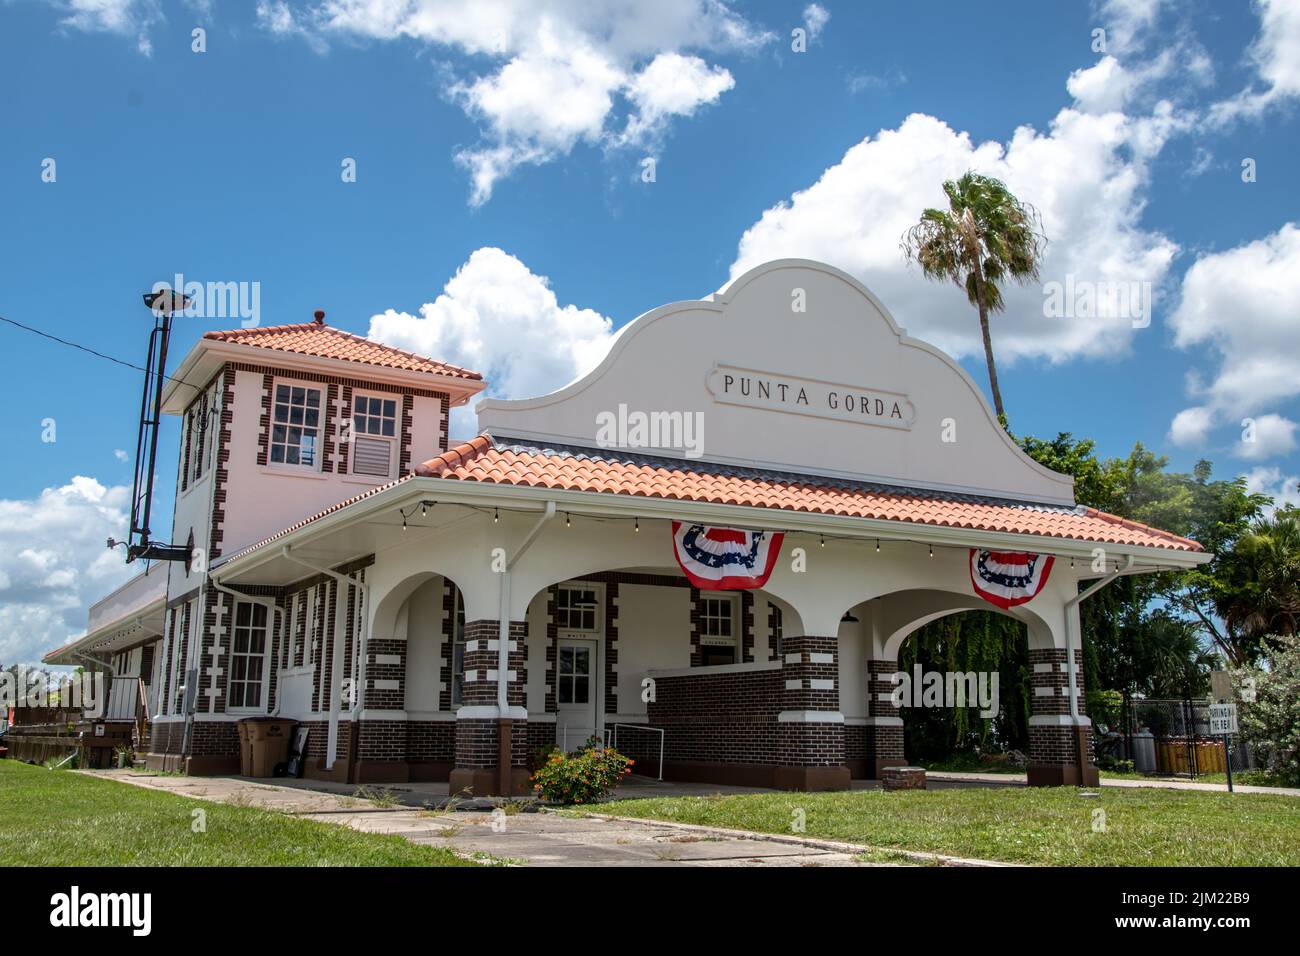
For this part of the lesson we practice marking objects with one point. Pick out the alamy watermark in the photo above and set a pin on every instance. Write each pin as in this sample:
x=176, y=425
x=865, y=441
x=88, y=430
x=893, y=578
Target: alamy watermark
x=218, y=300
x=946, y=689
x=1086, y=299
x=679, y=431
x=34, y=687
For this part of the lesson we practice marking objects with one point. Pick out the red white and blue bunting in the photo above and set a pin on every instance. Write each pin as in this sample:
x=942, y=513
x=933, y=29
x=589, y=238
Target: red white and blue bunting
x=724, y=559
x=1008, y=578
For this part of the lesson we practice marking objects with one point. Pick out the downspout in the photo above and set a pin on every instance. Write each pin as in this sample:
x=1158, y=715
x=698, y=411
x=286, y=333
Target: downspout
x=336, y=668
x=505, y=743
x=272, y=609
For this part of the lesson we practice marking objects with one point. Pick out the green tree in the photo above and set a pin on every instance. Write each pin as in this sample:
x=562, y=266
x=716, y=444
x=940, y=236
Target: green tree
x=985, y=236
x=1271, y=720
x=1255, y=591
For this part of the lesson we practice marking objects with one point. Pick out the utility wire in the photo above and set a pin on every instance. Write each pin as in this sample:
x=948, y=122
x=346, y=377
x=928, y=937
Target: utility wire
x=84, y=348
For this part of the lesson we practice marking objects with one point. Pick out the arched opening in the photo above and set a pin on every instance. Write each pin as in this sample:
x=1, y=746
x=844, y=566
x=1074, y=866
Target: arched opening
x=615, y=652
x=955, y=683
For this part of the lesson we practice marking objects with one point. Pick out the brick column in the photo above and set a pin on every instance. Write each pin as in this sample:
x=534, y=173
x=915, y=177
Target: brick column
x=380, y=748
x=479, y=724
x=810, y=739
x=884, y=732
x=1060, y=751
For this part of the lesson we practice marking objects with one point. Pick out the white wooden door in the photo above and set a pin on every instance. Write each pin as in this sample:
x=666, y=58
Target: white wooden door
x=575, y=692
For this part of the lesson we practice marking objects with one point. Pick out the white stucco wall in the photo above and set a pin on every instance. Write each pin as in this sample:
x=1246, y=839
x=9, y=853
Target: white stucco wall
x=262, y=499
x=852, y=650
x=424, y=630
x=654, y=632
x=426, y=429
x=844, y=343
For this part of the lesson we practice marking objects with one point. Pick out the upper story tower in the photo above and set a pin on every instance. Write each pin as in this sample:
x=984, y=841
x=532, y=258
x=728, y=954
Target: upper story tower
x=281, y=422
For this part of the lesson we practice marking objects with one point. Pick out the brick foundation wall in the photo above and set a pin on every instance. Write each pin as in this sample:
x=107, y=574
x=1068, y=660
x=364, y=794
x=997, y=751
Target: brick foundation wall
x=381, y=740
x=718, y=718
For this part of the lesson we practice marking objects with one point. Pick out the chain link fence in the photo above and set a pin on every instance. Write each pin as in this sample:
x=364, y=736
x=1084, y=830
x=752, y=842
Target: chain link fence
x=1171, y=738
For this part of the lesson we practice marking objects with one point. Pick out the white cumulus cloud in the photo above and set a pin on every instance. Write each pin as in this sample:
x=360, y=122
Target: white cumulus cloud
x=1275, y=55
x=815, y=18
x=1086, y=174
x=499, y=318
x=128, y=18
x=1283, y=489
x=548, y=75
x=54, y=565
x=1241, y=304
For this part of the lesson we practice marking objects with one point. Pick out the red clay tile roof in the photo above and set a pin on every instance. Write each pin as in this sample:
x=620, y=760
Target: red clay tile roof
x=324, y=341
x=600, y=471
x=482, y=459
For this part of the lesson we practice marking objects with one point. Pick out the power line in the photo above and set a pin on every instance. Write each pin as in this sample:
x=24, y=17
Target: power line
x=84, y=348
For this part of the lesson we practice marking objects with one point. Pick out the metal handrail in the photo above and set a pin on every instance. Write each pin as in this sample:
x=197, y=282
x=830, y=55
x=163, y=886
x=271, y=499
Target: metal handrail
x=657, y=730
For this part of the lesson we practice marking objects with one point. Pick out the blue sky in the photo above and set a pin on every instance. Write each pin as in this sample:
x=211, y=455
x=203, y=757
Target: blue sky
x=499, y=217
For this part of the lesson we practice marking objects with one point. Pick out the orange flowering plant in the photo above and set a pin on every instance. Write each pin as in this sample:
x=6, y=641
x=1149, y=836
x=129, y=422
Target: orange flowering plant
x=586, y=776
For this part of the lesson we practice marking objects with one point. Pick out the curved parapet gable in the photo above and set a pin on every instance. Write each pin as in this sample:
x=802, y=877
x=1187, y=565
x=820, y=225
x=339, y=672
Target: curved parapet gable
x=793, y=366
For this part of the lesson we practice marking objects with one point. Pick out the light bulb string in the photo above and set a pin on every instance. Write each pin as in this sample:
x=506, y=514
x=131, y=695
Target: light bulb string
x=495, y=510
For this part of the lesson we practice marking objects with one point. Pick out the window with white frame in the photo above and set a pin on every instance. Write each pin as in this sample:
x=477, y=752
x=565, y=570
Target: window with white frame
x=717, y=628
x=248, y=656
x=573, y=674
x=179, y=638
x=295, y=425
x=199, y=449
x=575, y=608
x=374, y=435
x=457, y=649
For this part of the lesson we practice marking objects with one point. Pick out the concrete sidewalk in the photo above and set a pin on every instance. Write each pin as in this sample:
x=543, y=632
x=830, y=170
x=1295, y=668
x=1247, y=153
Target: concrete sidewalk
x=525, y=838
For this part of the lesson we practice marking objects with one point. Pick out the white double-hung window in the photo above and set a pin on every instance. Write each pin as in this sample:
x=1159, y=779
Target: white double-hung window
x=295, y=425
x=248, y=652
x=374, y=435
x=719, y=633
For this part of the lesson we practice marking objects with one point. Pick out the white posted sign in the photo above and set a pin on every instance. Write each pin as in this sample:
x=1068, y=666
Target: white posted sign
x=1223, y=719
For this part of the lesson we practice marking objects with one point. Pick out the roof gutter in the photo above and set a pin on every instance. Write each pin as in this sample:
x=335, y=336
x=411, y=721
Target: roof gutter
x=583, y=502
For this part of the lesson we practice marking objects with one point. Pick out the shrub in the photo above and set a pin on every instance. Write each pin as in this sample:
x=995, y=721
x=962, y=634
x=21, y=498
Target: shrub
x=1270, y=707
x=583, y=777
x=1115, y=764
x=538, y=756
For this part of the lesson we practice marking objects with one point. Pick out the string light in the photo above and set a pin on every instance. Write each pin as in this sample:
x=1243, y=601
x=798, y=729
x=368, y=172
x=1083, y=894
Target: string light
x=636, y=520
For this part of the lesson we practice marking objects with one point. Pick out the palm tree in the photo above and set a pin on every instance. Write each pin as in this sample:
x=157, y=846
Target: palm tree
x=1258, y=591
x=985, y=235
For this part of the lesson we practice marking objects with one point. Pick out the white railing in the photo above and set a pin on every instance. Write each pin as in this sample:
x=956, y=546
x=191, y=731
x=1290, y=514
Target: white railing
x=610, y=734
x=646, y=727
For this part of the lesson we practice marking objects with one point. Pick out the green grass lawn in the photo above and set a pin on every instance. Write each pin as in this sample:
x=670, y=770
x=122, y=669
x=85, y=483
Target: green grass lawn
x=970, y=763
x=1049, y=826
x=58, y=818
